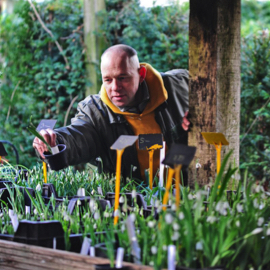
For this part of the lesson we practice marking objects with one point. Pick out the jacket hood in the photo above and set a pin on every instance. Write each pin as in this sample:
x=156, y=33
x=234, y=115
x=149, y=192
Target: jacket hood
x=157, y=92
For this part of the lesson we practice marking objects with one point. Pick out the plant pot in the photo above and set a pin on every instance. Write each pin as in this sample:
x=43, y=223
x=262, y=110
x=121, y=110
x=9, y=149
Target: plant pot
x=5, y=195
x=108, y=266
x=58, y=161
x=40, y=233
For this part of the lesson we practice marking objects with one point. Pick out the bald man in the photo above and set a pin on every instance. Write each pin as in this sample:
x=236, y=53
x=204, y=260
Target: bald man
x=134, y=99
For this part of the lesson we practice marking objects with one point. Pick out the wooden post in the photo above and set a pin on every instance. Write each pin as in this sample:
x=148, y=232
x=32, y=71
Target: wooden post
x=93, y=46
x=214, y=64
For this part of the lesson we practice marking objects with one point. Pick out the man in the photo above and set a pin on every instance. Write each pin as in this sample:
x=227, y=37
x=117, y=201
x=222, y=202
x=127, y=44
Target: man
x=134, y=99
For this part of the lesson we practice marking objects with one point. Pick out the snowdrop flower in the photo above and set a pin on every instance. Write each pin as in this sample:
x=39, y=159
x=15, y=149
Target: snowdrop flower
x=176, y=226
x=239, y=208
x=261, y=206
x=151, y=224
x=198, y=165
x=133, y=194
x=133, y=217
x=121, y=199
x=268, y=231
x=134, y=168
x=79, y=202
x=154, y=250
x=175, y=236
x=92, y=205
x=168, y=218
x=35, y=211
x=257, y=230
x=42, y=215
x=38, y=187
x=173, y=207
x=123, y=227
x=190, y=197
x=259, y=189
x=157, y=203
x=106, y=214
x=260, y=221
x=94, y=225
x=96, y=215
x=211, y=219
x=164, y=248
x=237, y=223
x=181, y=215
x=98, y=159
x=255, y=203
x=117, y=213
x=151, y=263
x=199, y=246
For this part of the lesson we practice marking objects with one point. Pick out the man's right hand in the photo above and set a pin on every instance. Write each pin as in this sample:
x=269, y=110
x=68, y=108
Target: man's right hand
x=50, y=137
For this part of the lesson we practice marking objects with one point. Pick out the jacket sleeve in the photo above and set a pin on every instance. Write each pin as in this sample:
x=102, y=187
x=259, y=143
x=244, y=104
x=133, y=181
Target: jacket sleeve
x=81, y=137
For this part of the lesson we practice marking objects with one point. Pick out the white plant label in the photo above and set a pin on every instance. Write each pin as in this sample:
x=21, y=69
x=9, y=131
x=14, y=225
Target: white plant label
x=55, y=150
x=119, y=257
x=171, y=257
x=14, y=219
x=85, y=246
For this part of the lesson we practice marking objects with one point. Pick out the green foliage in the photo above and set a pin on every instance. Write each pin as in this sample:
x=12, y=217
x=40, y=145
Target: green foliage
x=255, y=104
x=36, y=78
x=159, y=34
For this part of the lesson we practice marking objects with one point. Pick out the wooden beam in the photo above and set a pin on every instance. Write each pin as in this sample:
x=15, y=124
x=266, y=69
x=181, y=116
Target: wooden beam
x=214, y=64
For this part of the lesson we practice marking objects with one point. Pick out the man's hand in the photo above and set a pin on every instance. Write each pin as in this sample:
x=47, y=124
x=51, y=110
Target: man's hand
x=50, y=137
x=185, y=122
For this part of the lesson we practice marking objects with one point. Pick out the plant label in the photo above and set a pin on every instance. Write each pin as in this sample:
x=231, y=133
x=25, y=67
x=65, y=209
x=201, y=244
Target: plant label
x=124, y=141
x=92, y=252
x=179, y=154
x=85, y=246
x=150, y=141
x=171, y=257
x=119, y=257
x=215, y=138
x=135, y=249
x=14, y=219
x=3, y=152
x=46, y=123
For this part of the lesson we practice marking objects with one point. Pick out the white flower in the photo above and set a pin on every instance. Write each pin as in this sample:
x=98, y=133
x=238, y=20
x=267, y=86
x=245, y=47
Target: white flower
x=181, y=215
x=255, y=203
x=173, y=207
x=261, y=206
x=98, y=159
x=164, y=247
x=168, y=218
x=134, y=168
x=106, y=214
x=260, y=221
x=92, y=205
x=117, y=213
x=133, y=217
x=175, y=236
x=222, y=207
x=79, y=202
x=198, y=165
x=38, y=187
x=96, y=215
x=157, y=203
x=133, y=194
x=123, y=227
x=239, y=208
x=175, y=226
x=35, y=211
x=190, y=197
x=199, y=246
x=121, y=199
x=151, y=224
x=237, y=223
x=211, y=219
x=257, y=230
x=268, y=231
x=151, y=263
x=154, y=250
x=259, y=189
x=94, y=225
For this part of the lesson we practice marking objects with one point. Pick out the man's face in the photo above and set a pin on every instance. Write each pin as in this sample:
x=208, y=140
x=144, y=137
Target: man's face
x=120, y=76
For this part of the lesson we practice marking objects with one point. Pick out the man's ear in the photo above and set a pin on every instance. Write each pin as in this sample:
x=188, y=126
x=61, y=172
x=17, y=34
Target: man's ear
x=142, y=72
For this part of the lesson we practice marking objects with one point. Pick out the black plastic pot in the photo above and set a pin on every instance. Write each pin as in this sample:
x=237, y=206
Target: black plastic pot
x=5, y=195
x=108, y=266
x=58, y=161
x=40, y=233
x=205, y=268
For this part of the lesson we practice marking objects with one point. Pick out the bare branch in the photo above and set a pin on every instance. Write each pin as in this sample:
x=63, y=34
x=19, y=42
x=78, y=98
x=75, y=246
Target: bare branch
x=50, y=33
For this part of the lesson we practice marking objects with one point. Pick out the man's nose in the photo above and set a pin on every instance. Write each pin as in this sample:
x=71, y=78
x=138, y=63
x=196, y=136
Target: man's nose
x=116, y=85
